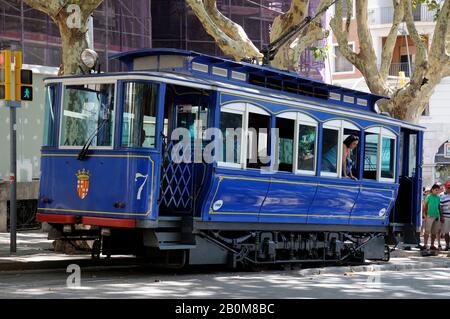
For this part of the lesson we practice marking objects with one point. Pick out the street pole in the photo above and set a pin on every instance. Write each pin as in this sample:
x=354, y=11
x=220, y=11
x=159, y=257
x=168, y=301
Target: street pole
x=13, y=105
x=13, y=179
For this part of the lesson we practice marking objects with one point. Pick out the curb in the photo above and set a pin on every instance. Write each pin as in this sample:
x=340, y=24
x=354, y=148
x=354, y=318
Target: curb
x=42, y=265
x=84, y=261
x=390, y=266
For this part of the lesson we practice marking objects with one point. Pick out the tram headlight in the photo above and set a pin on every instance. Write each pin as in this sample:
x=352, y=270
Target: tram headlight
x=89, y=58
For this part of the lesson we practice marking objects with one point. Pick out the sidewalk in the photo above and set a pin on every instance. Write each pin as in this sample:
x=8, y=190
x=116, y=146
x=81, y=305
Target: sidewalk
x=35, y=251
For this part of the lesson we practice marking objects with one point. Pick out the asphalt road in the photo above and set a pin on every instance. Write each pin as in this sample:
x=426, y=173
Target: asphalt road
x=138, y=282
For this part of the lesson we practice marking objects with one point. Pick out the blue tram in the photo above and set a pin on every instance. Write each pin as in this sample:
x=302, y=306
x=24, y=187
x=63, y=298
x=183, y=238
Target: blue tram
x=274, y=193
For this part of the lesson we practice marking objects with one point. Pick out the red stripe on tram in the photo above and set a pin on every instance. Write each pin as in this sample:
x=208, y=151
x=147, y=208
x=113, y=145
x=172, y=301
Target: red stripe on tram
x=108, y=222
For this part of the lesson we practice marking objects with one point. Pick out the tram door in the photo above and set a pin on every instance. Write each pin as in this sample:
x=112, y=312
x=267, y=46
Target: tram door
x=406, y=216
x=185, y=119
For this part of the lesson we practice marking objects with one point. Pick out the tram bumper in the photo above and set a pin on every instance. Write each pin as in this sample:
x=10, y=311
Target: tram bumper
x=82, y=221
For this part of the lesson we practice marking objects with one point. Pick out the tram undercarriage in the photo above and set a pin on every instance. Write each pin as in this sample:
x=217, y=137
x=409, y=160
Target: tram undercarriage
x=173, y=248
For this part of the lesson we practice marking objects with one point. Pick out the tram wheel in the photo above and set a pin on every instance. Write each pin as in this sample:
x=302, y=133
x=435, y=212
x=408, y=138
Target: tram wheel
x=387, y=253
x=96, y=249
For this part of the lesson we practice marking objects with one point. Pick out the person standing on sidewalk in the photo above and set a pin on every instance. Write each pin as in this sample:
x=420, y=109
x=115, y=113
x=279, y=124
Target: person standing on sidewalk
x=445, y=209
x=434, y=219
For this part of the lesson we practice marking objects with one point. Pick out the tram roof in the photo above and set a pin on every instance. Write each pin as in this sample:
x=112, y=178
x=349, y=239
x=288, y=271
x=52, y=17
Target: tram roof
x=215, y=68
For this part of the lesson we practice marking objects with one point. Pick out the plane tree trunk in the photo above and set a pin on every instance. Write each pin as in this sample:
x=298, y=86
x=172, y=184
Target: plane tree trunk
x=71, y=19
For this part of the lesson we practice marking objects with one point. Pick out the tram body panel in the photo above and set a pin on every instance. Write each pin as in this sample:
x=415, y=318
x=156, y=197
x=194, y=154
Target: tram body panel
x=333, y=203
x=374, y=205
x=103, y=185
x=236, y=197
x=289, y=199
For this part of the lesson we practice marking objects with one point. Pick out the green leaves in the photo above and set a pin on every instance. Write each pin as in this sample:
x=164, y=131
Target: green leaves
x=319, y=52
x=430, y=4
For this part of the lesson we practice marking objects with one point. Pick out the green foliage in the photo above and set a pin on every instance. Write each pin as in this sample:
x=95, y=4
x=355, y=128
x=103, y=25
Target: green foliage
x=319, y=52
x=431, y=5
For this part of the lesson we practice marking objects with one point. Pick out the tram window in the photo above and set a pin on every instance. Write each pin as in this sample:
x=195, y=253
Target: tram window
x=139, y=115
x=412, y=155
x=370, y=155
x=231, y=128
x=258, y=140
x=387, y=157
x=354, y=154
x=88, y=110
x=306, y=148
x=330, y=150
x=285, y=156
x=49, y=118
x=193, y=117
x=402, y=151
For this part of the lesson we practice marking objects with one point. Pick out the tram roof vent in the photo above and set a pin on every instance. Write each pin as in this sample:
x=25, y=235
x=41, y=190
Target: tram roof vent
x=220, y=69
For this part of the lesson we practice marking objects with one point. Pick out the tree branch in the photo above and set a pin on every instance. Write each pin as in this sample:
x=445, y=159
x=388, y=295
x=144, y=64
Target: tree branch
x=297, y=12
x=238, y=45
x=421, y=59
x=315, y=33
x=389, y=44
x=439, y=46
x=87, y=7
x=231, y=29
x=50, y=7
x=366, y=51
x=342, y=36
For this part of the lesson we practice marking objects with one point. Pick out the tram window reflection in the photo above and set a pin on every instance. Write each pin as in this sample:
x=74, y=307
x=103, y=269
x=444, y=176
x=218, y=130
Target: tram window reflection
x=306, y=148
x=193, y=118
x=387, y=157
x=139, y=116
x=285, y=144
x=49, y=117
x=88, y=111
x=370, y=155
x=258, y=140
x=231, y=128
x=330, y=150
x=412, y=167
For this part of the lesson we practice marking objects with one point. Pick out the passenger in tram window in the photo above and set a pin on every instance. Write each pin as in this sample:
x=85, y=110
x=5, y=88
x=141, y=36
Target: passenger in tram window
x=350, y=144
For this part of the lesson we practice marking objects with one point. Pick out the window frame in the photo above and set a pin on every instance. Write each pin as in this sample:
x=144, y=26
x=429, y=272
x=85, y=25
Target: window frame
x=333, y=60
x=87, y=81
x=383, y=132
x=306, y=120
x=242, y=108
x=50, y=137
x=122, y=112
x=338, y=125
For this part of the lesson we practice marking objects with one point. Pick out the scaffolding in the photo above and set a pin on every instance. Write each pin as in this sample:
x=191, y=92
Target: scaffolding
x=118, y=26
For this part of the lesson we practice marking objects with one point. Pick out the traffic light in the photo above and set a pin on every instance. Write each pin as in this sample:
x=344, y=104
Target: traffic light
x=24, y=80
x=26, y=85
x=5, y=75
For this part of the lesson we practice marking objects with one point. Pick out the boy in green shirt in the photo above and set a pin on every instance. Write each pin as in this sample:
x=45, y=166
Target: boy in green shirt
x=433, y=219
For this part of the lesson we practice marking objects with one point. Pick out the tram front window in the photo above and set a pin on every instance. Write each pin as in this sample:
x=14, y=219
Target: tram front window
x=88, y=112
x=139, y=114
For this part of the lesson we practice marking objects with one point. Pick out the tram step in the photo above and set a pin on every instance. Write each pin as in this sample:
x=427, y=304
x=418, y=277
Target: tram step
x=173, y=246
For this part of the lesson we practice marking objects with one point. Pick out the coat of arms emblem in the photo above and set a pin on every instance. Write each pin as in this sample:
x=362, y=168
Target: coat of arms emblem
x=82, y=183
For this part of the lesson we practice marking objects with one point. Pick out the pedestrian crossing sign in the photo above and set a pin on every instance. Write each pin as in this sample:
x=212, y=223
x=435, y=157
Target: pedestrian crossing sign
x=26, y=93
